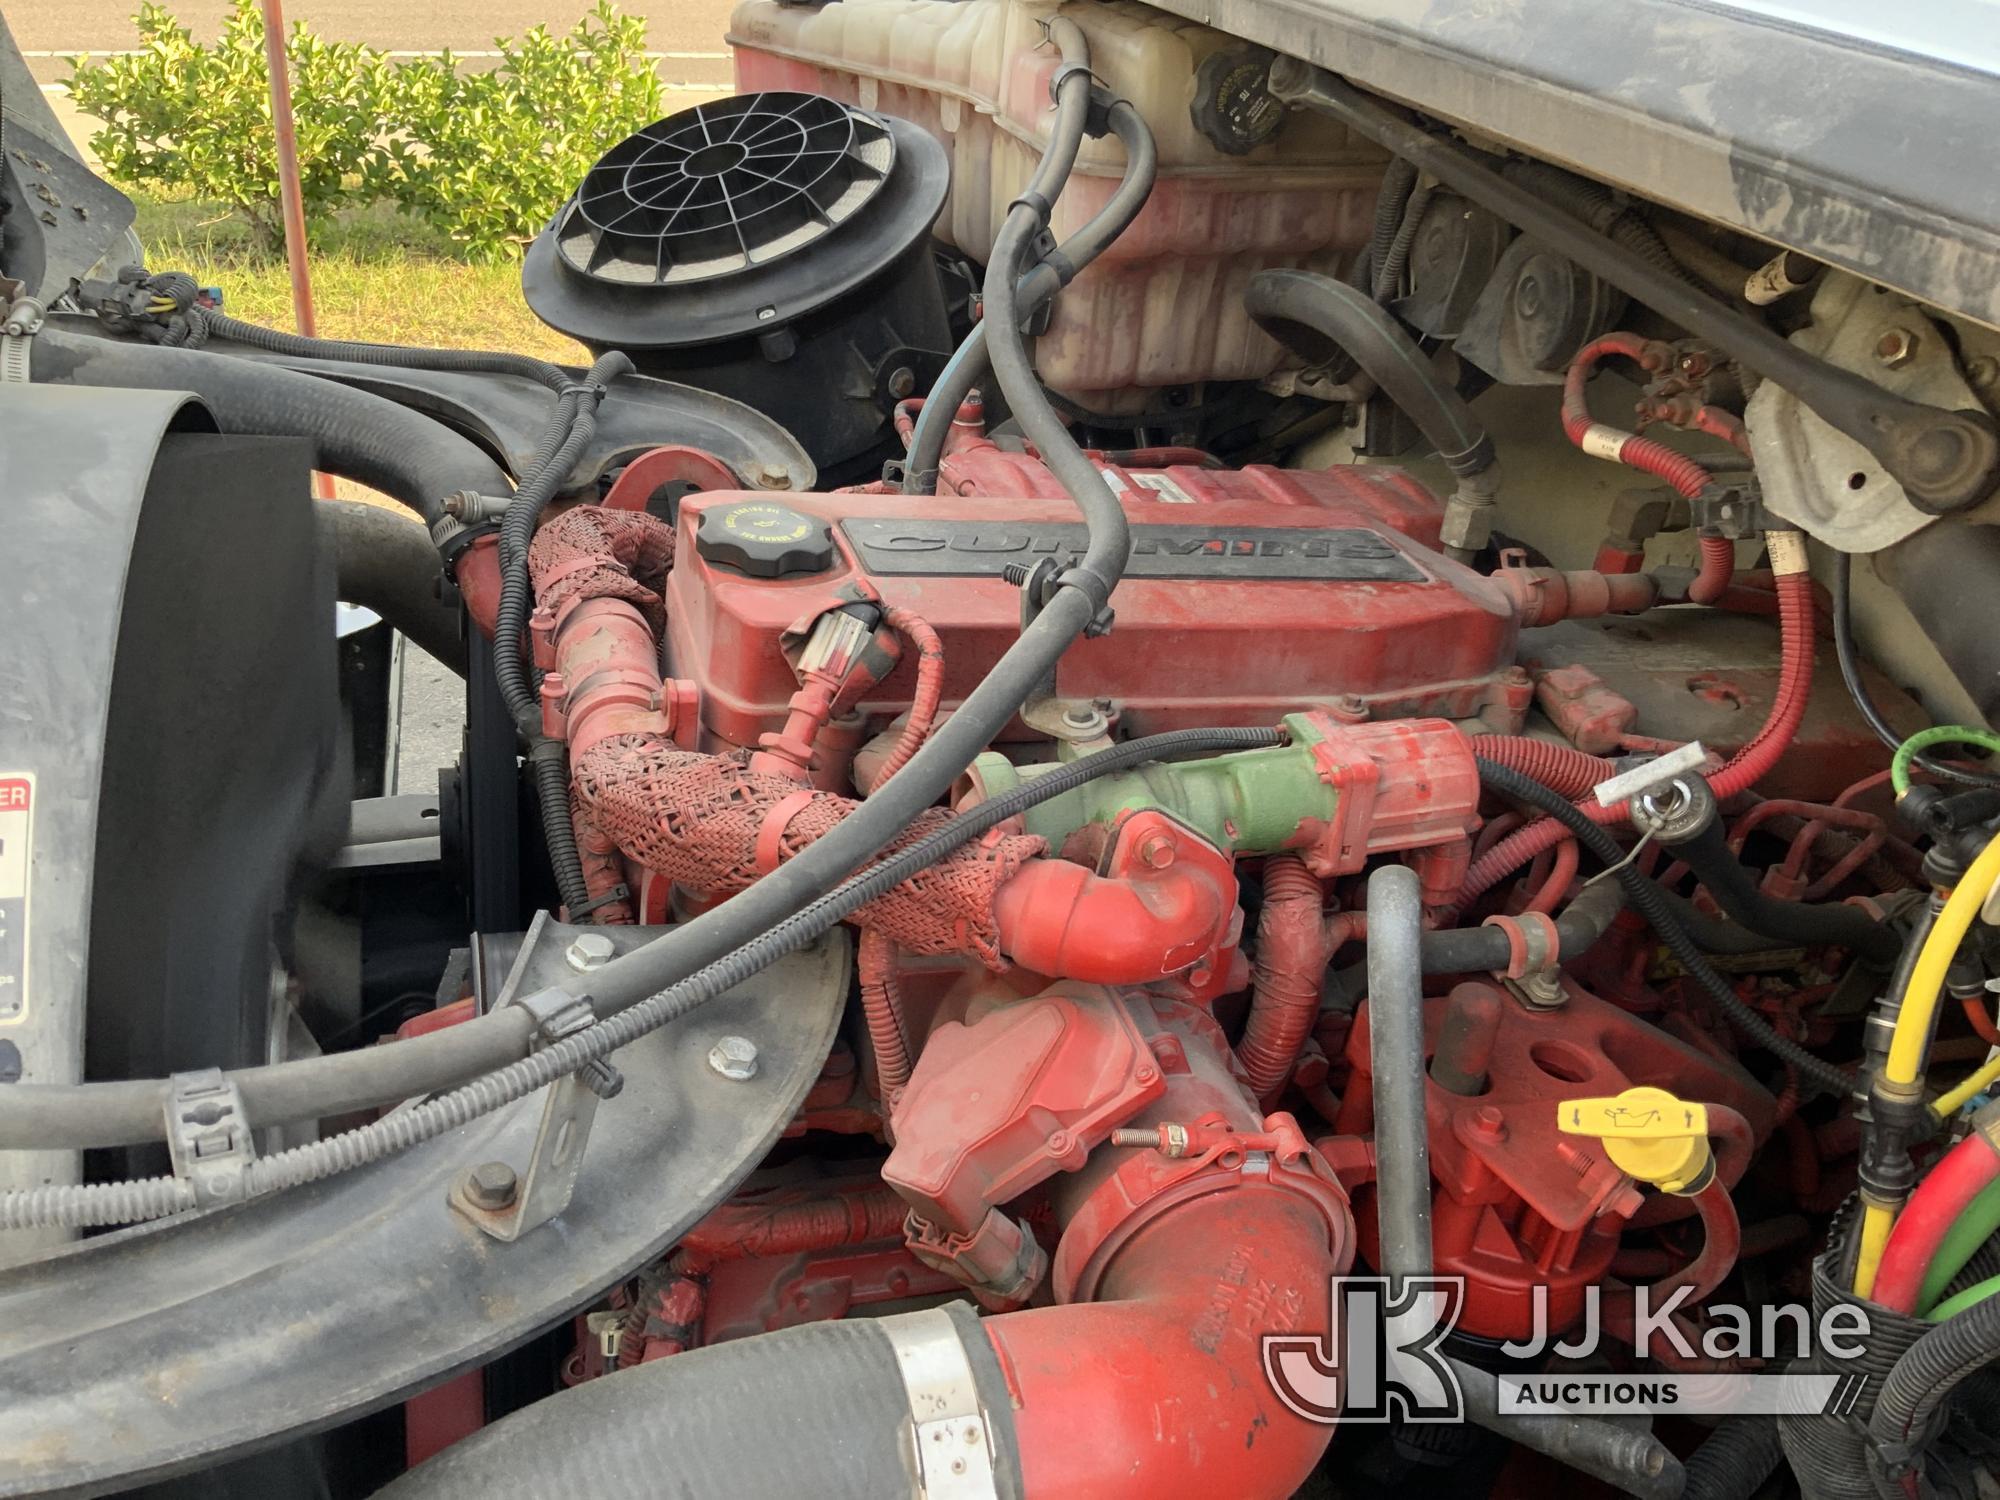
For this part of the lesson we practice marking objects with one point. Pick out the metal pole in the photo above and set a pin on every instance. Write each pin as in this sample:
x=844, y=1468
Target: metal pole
x=290, y=199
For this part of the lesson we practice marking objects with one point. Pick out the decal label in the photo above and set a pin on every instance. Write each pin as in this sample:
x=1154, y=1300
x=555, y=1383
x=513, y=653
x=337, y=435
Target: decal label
x=17, y=826
x=926, y=546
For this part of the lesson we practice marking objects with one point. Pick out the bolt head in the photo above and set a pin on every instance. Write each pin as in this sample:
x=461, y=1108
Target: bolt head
x=734, y=1058
x=1156, y=851
x=491, y=1185
x=902, y=381
x=589, y=950
x=774, y=477
x=1896, y=347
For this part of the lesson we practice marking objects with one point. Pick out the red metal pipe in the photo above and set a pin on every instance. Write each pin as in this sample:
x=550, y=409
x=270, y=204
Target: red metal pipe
x=1157, y=1388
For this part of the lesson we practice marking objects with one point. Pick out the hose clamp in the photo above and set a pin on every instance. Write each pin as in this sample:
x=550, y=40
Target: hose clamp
x=20, y=320
x=955, y=1459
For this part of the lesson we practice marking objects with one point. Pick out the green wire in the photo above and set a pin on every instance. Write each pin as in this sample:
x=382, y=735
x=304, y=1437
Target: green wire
x=1942, y=734
x=1971, y=1229
x=1967, y=1298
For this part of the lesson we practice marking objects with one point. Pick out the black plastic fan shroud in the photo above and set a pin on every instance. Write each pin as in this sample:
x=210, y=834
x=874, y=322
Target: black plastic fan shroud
x=724, y=188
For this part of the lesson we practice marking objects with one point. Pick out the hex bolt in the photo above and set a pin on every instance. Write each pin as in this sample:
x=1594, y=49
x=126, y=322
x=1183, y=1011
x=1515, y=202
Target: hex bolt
x=1081, y=715
x=1896, y=347
x=735, y=1058
x=491, y=1185
x=589, y=950
x=1156, y=851
x=774, y=476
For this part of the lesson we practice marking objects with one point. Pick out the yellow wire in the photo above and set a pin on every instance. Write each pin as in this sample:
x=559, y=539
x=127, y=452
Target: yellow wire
x=1918, y=1006
x=1952, y=1101
x=1920, y=998
x=1876, y=1222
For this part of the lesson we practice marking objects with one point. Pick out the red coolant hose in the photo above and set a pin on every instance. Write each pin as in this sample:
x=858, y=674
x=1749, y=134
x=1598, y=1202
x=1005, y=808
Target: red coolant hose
x=1966, y=1170
x=1748, y=766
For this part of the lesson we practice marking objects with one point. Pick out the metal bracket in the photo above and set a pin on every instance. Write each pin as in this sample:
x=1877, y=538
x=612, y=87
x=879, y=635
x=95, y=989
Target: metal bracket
x=553, y=1165
x=208, y=1137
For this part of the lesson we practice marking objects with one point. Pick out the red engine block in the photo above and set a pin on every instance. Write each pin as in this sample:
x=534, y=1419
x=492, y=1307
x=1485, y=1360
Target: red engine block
x=1251, y=593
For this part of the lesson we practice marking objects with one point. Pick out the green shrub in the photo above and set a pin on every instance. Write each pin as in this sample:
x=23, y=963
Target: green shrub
x=489, y=157
x=199, y=118
x=485, y=157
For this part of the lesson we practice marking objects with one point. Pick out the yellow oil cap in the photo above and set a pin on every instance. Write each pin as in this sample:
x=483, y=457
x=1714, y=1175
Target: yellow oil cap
x=1648, y=1134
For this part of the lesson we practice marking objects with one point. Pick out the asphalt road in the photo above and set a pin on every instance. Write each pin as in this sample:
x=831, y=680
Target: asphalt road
x=673, y=27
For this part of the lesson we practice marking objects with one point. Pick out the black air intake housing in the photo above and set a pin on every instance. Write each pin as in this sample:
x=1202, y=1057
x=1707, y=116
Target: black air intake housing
x=772, y=247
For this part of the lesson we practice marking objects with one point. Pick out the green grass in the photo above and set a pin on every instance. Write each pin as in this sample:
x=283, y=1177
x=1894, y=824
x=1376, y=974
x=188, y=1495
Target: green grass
x=375, y=275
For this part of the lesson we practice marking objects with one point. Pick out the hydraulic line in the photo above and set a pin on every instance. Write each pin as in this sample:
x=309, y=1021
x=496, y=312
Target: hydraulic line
x=1840, y=588
x=1965, y=1171
x=1915, y=1012
x=1707, y=855
x=106, y=1203
x=1651, y=903
x=1970, y=1230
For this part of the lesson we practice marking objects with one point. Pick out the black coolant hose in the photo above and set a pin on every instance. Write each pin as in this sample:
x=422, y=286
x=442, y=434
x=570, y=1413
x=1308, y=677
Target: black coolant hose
x=382, y=562
x=969, y=363
x=353, y=434
x=1651, y=903
x=106, y=1114
x=759, y=1417
x=1634, y=1461
x=1321, y=318
x=1707, y=854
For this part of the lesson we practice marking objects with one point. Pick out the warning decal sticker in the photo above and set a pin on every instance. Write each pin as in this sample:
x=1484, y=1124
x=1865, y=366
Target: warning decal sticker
x=17, y=825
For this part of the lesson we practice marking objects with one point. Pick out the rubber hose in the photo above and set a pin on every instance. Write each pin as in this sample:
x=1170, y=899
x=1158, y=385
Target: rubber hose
x=1734, y=1460
x=353, y=434
x=1923, y=1379
x=1708, y=855
x=349, y=351
x=1482, y=950
x=87, y=1205
x=1317, y=316
x=1971, y=1230
x=1939, y=1202
x=821, y=1410
x=968, y=363
x=1634, y=1461
x=1292, y=951
x=1649, y=900
x=382, y=562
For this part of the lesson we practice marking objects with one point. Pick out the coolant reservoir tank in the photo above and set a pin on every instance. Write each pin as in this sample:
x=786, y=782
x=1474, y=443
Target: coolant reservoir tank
x=1243, y=185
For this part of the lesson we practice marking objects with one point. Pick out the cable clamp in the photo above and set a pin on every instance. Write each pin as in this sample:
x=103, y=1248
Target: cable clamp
x=619, y=892
x=1035, y=201
x=1068, y=70
x=208, y=1136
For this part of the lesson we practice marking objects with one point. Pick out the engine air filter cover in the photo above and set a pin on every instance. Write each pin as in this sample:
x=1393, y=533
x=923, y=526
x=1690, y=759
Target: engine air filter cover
x=723, y=189
x=772, y=247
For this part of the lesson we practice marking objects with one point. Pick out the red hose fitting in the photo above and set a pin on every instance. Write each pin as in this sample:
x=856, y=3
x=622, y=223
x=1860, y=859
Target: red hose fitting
x=1293, y=948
